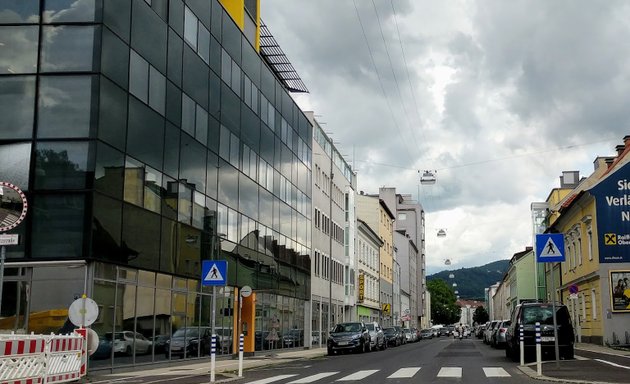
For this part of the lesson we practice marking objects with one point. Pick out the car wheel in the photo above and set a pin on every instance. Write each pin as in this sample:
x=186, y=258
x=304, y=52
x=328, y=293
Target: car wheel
x=128, y=351
x=330, y=352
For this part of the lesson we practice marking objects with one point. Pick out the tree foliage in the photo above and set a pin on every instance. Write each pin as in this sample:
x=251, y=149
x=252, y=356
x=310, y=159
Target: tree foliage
x=480, y=315
x=443, y=308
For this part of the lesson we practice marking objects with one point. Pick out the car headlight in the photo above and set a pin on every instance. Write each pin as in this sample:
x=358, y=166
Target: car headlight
x=354, y=337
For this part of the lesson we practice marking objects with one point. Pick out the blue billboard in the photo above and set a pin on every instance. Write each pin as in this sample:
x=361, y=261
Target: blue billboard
x=612, y=201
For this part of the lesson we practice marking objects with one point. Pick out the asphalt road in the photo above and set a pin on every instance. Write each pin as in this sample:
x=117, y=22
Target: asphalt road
x=440, y=360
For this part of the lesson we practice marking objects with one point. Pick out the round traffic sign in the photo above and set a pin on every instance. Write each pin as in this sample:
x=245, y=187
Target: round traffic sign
x=83, y=312
x=573, y=289
x=246, y=291
x=13, y=206
x=92, y=341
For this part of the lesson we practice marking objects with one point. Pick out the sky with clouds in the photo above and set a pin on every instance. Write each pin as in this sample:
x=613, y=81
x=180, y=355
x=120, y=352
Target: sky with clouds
x=498, y=97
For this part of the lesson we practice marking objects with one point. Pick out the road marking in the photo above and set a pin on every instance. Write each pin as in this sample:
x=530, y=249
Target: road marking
x=404, y=373
x=450, y=372
x=310, y=379
x=359, y=375
x=581, y=358
x=271, y=379
x=611, y=363
x=495, y=372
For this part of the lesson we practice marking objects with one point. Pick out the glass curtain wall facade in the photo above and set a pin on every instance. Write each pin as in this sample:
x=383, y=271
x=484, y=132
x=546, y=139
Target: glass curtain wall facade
x=149, y=136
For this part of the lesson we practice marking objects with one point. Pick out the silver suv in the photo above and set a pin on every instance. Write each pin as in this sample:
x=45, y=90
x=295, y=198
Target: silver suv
x=377, y=338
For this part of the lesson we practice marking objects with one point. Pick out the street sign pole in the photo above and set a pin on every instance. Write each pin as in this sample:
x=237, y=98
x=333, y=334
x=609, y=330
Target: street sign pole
x=3, y=254
x=555, y=321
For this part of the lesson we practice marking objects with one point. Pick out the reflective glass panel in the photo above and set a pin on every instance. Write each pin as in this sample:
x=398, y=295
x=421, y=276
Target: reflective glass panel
x=67, y=48
x=65, y=106
x=21, y=41
x=63, y=11
x=62, y=165
x=58, y=226
x=17, y=106
x=19, y=11
x=15, y=162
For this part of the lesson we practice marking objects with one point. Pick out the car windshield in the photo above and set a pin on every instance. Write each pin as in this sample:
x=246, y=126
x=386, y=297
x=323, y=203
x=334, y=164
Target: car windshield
x=348, y=327
x=544, y=315
x=186, y=332
x=370, y=327
x=389, y=331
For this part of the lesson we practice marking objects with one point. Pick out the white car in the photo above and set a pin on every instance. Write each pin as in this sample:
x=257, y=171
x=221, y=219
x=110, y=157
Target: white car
x=127, y=341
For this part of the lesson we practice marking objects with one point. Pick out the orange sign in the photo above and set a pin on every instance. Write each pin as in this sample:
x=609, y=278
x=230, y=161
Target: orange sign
x=361, y=287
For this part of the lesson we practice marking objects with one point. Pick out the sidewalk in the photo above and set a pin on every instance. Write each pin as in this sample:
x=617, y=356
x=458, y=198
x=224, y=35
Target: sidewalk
x=583, y=369
x=226, y=369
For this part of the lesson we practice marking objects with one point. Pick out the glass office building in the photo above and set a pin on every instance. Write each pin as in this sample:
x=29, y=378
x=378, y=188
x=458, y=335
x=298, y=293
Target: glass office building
x=148, y=136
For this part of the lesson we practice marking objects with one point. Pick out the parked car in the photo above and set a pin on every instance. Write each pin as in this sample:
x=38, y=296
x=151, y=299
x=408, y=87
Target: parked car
x=480, y=329
x=128, y=341
x=426, y=334
x=528, y=314
x=377, y=337
x=487, y=333
x=393, y=337
x=293, y=338
x=410, y=337
x=190, y=342
x=352, y=336
x=401, y=332
x=104, y=349
x=498, y=337
x=159, y=343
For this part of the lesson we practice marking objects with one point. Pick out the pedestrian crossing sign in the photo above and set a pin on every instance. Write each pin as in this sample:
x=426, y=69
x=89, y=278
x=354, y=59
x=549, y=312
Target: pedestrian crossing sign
x=214, y=272
x=550, y=248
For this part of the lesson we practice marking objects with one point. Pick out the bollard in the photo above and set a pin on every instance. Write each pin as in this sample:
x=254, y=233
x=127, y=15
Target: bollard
x=538, y=351
x=240, y=356
x=522, y=343
x=213, y=352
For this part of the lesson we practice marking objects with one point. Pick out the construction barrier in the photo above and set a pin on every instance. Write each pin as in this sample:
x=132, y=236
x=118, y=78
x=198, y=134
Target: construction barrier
x=41, y=359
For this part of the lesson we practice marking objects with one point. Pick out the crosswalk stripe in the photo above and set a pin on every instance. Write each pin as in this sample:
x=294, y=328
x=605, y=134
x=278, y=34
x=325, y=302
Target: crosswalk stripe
x=404, y=373
x=312, y=378
x=450, y=372
x=495, y=372
x=271, y=379
x=359, y=375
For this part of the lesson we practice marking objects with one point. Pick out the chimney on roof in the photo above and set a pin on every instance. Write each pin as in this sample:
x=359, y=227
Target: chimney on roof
x=626, y=140
x=569, y=179
x=609, y=161
x=620, y=148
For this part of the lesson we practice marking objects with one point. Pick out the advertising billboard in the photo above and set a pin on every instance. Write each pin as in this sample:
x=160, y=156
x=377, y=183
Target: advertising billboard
x=620, y=290
x=612, y=199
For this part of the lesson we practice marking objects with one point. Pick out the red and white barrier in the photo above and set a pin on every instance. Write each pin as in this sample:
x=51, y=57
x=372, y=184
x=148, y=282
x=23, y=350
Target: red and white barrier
x=41, y=359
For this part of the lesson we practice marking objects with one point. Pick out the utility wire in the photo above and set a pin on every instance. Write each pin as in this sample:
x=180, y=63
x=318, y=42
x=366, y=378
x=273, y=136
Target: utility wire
x=402, y=50
x=486, y=161
x=380, y=81
x=391, y=65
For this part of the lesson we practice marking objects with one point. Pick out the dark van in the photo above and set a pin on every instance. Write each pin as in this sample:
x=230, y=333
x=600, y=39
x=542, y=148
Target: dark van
x=528, y=314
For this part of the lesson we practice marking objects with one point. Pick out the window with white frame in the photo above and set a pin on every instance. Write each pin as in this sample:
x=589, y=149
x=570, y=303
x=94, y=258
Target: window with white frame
x=593, y=304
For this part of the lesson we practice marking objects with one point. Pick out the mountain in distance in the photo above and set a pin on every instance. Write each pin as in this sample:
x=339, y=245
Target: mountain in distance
x=471, y=282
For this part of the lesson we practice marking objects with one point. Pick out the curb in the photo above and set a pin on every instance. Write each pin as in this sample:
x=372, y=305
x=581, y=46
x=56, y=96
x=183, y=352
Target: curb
x=534, y=375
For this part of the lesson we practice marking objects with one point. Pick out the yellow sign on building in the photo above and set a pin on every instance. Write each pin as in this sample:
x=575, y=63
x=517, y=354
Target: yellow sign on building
x=387, y=309
x=361, y=287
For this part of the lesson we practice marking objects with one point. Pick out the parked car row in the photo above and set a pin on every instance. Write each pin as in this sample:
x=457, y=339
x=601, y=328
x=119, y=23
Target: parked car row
x=505, y=334
x=365, y=337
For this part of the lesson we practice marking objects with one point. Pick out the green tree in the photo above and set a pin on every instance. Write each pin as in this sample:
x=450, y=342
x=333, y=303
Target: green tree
x=481, y=315
x=443, y=307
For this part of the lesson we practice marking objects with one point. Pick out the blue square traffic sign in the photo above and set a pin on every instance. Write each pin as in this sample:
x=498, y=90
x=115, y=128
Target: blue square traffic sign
x=214, y=272
x=550, y=248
